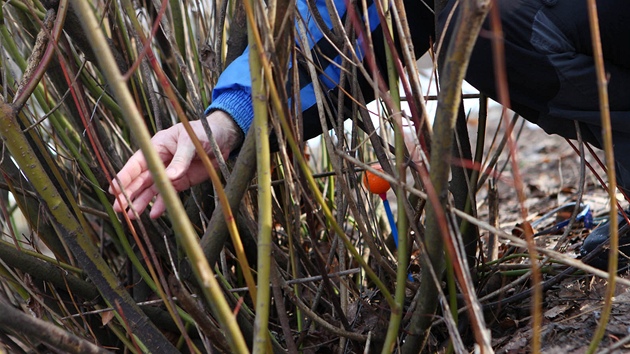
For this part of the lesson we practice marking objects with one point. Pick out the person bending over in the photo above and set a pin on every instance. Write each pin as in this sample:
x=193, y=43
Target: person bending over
x=550, y=75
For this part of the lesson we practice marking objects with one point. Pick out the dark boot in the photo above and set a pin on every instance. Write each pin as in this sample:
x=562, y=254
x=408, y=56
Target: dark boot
x=597, y=244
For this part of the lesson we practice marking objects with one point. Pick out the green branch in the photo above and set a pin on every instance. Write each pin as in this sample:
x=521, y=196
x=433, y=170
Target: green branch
x=69, y=228
x=181, y=224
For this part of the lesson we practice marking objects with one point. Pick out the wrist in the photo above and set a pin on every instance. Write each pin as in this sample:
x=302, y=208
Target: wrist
x=237, y=103
x=228, y=133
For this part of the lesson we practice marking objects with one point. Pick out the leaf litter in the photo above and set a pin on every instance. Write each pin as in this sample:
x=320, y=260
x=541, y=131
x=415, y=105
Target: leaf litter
x=571, y=309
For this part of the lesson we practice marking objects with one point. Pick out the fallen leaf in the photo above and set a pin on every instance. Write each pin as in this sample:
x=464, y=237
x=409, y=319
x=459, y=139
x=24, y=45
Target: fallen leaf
x=556, y=311
x=106, y=317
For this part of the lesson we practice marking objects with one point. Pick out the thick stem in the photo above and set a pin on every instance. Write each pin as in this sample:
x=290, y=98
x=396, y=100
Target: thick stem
x=22, y=324
x=263, y=166
x=472, y=14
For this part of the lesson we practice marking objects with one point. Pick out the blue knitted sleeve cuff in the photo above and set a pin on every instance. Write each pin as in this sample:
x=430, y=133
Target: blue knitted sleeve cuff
x=238, y=104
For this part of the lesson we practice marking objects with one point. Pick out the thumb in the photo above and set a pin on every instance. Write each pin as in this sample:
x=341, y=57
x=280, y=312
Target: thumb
x=181, y=160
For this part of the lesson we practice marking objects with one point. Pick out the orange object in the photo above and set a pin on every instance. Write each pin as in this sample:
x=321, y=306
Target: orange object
x=374, y=183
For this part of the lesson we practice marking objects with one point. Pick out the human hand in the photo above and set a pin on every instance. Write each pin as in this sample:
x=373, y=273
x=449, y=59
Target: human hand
x=183, y=167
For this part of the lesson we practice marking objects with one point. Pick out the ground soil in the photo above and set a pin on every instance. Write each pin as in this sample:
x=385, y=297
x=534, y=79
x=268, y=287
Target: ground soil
x=550, y=170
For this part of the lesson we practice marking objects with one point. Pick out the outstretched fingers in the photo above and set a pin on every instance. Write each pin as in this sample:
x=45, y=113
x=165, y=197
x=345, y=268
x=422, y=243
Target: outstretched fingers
x=132, y=169
x=136, y=180
x=141, y=201
x=176, y=151
x=133, y=178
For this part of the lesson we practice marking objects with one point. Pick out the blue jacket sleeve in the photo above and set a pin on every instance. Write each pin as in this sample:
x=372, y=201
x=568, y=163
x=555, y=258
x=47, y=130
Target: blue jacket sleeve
x=232, y=93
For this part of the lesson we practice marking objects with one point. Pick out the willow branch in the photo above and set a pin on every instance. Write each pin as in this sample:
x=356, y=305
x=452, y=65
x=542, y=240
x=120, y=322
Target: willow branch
x=181, y=224
x=21, y=324
x=472, y=15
